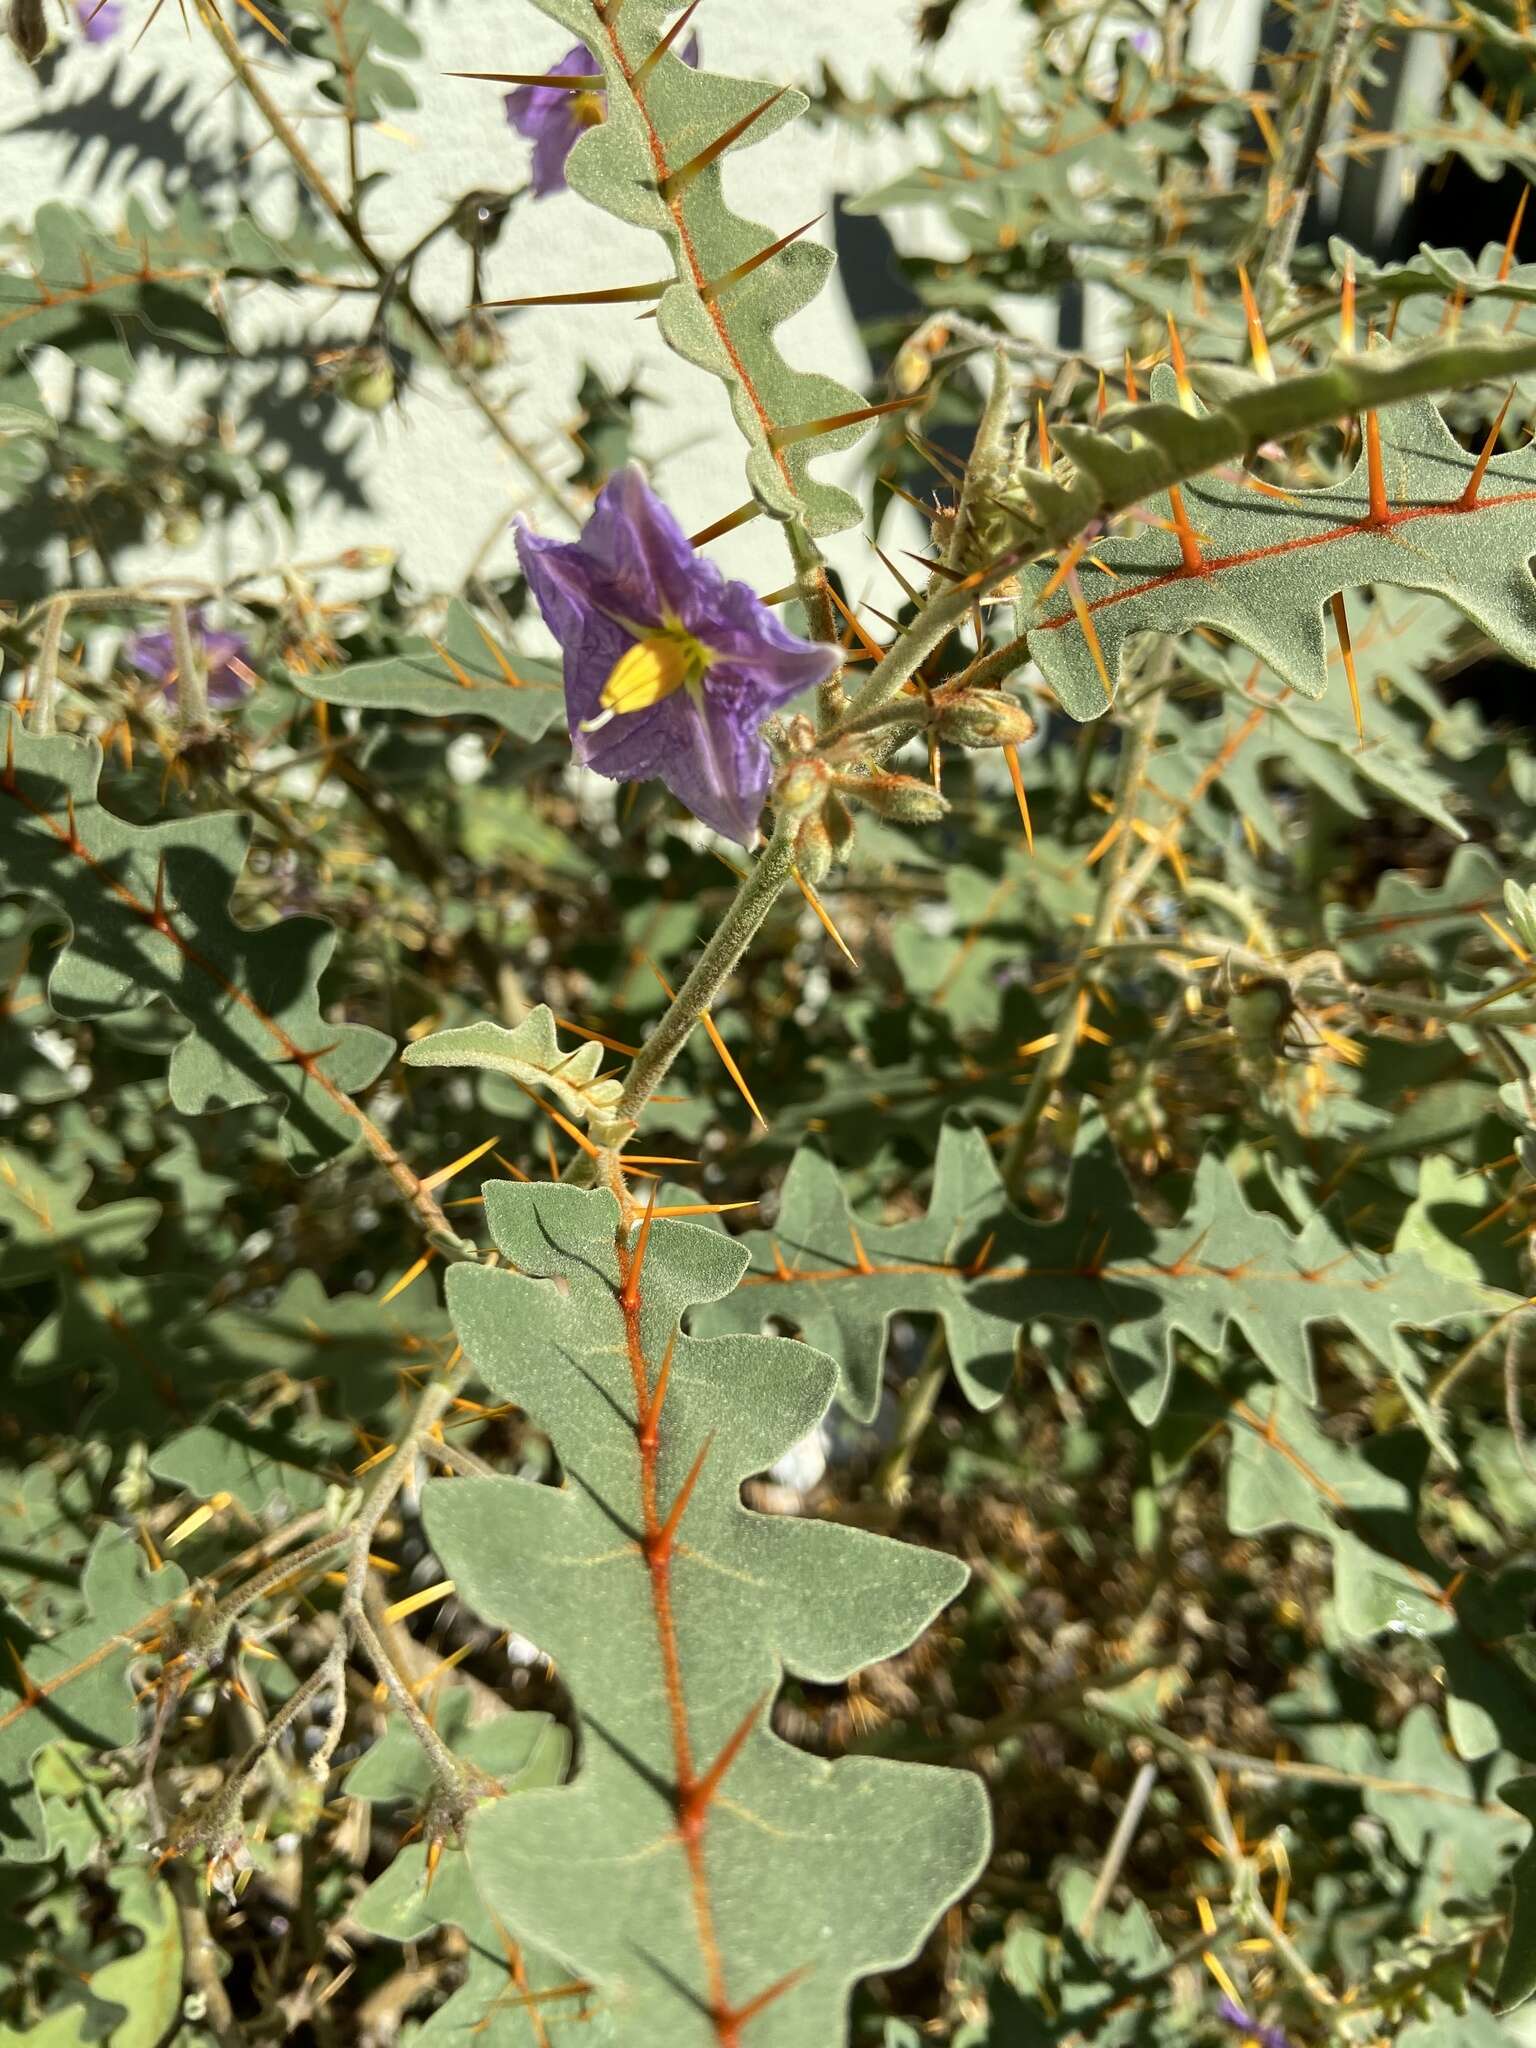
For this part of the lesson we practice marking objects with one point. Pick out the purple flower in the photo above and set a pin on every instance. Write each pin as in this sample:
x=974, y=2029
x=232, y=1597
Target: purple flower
x=1259, y=2037
x=669, y=669
x=554, y=118
x=99, y=20
x=224, y=657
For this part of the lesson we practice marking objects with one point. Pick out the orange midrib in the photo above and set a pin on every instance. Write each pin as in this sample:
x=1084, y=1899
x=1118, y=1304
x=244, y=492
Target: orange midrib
x=1214, y=565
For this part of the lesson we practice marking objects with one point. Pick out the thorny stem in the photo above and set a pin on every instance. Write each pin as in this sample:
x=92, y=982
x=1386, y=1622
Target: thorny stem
x=346, y=219
x=1112, y=897
x=1241, y=1872
x=1327, y=75
x=434, y=1403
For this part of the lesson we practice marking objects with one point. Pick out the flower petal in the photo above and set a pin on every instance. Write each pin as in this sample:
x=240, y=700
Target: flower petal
x=545, y=114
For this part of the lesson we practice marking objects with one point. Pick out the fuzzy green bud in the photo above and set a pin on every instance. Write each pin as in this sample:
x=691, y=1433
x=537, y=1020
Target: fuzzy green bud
x=902, y=798
x=984, y=718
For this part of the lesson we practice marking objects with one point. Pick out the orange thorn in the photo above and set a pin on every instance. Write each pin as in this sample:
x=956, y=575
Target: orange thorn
x=822, y=917
x=693, y=1800
x=727, y=524
x=1131, y=391
x=717, y=285
x=646, y=1433
x=1347, y=308
x=411, y=1273
x=1180, y=367
x=786, y=437
x=675, y=183
x=630, y=1296
x=1089, y=632
x=743, y=2015
x=1103, y=405
x=1047, y=460
x=1258, y=341
x=870, y=645
x=1381, y=512
x=860, y=1256
x=659, y=1546
x=31, y=1692
x=648, y=64
x=446, y=1173
x=1189, y=540
x=1346, y=648
x=571, y=1130
x=1468, y=497
x=704, y=1208
x=507, y=1166
x=555, y=81
x=1011, y=756
x=1507, y=261
x=978, y=1265
x=720, y=1046
x=604, y=295
x=601, y=1038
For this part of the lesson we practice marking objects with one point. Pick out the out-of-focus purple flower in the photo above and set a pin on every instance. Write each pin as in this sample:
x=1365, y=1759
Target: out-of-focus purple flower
x=99, y=20
x=1258, y=2036
x=670, y=670
x=554, y=118
x=224, y=656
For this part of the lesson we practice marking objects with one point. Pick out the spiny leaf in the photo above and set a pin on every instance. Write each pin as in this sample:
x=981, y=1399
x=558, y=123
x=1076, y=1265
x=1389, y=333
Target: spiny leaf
x=509, y=1998
x=76, y=1682
x=1268, y=566
x=1223, y=1265
x=463, y=673
x=671, y=1612
x=530, y=1053
x=624, y=166
x=148, y=911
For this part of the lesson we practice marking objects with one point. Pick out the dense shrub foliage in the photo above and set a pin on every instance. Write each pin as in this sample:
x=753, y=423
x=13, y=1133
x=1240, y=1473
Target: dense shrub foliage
x=747, y=1318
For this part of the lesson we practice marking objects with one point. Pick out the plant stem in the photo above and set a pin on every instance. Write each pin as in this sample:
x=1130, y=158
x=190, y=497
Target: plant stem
x=191, y=692
x=1301, y=161
x=344, y=217
x=45, y=691
x=732, y=936
x=1112, y=897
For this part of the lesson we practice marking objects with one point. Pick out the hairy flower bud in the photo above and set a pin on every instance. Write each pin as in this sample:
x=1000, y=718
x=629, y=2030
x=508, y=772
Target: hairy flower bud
x=902, y=798
x=984, y=718
x=27, y=27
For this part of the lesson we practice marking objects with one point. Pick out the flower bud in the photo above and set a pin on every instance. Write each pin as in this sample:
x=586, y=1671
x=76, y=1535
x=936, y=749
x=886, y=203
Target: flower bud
x=802, y=785
x=984, y=718
x=27, y=27
x=909, y=371
x=902, y=798
x=813, y=849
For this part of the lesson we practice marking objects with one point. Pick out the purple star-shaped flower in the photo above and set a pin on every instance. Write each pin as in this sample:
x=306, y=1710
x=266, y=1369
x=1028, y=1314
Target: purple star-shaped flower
x=224, y=657
x=99, y=20
x=670, y=670
x=554, y=118
x=1254, y=2034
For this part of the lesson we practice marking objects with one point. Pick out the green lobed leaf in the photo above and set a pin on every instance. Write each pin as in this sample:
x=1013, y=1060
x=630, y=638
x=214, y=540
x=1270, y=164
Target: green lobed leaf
x=78, y=1679
x=464, y=674
x=729, y=331
x=989, y=1272
x=250, y=996
x=798, y=1873
x=1268, y=566
x=530, y=1053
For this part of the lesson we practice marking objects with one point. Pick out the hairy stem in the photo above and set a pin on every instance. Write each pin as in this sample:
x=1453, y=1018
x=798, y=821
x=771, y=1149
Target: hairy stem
x=45, y=690
x=735, y=932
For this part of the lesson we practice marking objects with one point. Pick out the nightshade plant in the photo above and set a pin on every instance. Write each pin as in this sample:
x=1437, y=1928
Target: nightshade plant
x=735, y=1318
